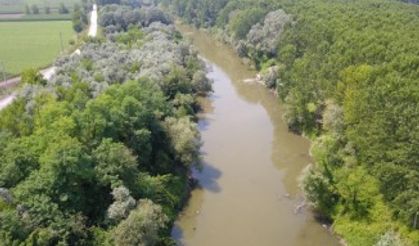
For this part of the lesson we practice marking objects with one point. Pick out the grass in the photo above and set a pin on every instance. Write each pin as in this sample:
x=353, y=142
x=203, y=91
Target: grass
x=40, y=17
x=32, y=44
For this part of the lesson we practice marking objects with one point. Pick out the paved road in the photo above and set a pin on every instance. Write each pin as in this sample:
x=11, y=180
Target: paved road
x=48, y=72
x=93, y=22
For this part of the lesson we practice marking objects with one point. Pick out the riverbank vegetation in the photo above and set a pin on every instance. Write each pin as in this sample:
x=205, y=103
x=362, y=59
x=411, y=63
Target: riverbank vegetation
x=348, y=74
x=100, y=154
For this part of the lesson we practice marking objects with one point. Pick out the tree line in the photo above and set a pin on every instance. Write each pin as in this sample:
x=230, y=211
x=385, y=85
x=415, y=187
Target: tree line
x=348, y=73
x=101, y=153
x=35, y=10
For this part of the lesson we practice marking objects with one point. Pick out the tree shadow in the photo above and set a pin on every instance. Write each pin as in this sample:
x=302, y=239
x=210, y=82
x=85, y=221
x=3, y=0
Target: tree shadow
x=204, y=123
x=207, y=177
x=177, y=234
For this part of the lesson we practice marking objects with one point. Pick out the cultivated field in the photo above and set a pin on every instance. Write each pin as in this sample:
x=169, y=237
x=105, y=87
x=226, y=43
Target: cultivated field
x=32, y=44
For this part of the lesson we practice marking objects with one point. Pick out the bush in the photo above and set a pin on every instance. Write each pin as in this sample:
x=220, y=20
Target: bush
x=142, y=225
x=242, y=21
x=266, y=37
x=35, y=9
x=62, y=9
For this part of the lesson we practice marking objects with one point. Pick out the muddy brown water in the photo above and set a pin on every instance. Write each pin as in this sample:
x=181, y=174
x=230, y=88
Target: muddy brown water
x=248, y=185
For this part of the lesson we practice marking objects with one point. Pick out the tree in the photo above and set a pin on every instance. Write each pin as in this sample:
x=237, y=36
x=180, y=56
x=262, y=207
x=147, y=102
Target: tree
x=18, y=160
x=35, y=9
x=184, y=139
x=6, y=196
x=65, y=168
x=333, y=117
x=104, y=2
x=115, y=164
x=271, y=76
x=122, y=205
x=357, y=190
x=142, y=225
x=243, y=20
x=62, y=9
x=390, y=238
x=201, y=83
x=76, y=152
x=27, y=9
x=266, y=37
x=318, y=189
x=156, y=15
x=32, y=76
x=77, y=20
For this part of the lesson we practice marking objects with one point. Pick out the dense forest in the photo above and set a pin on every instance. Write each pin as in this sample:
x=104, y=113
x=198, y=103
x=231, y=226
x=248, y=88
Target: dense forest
x=348, y=73
x=99, y=154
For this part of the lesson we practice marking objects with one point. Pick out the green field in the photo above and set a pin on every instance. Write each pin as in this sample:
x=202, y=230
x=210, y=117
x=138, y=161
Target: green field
x=40, y=17
x=32, y=44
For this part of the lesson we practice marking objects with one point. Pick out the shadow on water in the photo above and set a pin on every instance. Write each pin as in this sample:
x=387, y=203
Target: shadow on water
x=177, y=234
x=204, y=124
x=207, y=177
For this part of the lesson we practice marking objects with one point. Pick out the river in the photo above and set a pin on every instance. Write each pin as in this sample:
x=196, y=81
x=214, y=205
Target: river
x=248, y=185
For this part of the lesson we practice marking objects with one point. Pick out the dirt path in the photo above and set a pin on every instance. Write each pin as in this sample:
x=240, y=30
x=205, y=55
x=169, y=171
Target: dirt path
x=6, y=101
x=10, y=82
x=93, y=22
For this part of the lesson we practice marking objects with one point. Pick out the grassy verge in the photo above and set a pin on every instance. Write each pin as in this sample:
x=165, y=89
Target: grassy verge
x=40, y=17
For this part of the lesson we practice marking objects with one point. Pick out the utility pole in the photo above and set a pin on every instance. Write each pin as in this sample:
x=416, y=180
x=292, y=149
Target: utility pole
x=61, y=39
x=3, y=69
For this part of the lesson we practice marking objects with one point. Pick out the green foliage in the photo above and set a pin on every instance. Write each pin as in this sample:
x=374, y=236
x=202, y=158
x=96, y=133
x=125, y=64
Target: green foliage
x=122, y=205
x=133, y=36
x=62, y=9
x=78, y=151
x=389, y=239
x=35, y=9
x=184, y=139
x=319, y=190
x=27, y=9
x=79, y=18
x=168, y=190
x=142, y=225
x=242, y=21
x=115, y=164
x=77, y=25
x=32, y=76
x=348, y=74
